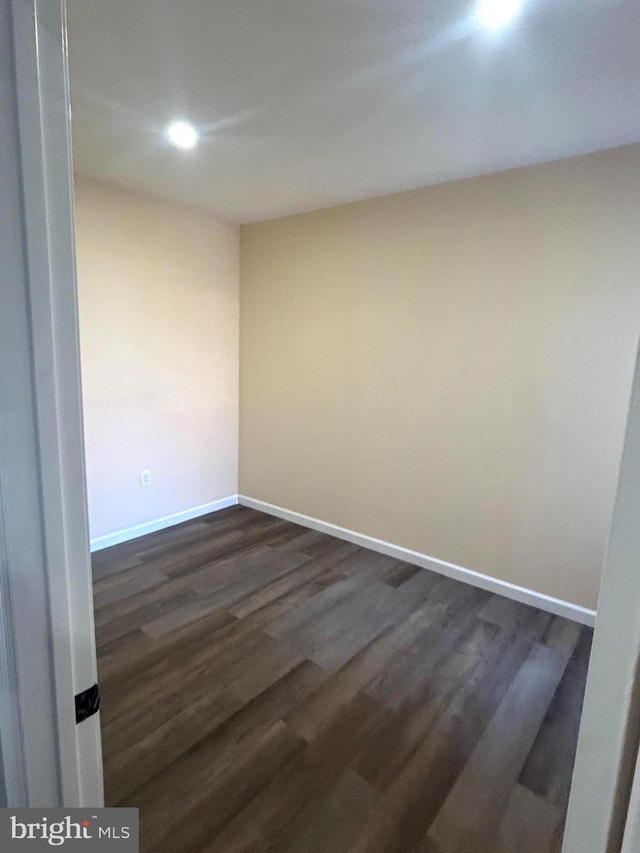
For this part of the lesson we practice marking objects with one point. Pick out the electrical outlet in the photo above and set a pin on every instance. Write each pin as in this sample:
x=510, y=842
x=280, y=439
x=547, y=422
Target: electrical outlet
x=145, y=478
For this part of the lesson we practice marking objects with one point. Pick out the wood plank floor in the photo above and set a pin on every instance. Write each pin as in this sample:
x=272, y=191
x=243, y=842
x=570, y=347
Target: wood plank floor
x=269, y=689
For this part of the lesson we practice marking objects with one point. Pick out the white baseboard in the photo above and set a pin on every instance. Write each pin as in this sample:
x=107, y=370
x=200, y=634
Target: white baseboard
x=518, y=593
x=160, y=523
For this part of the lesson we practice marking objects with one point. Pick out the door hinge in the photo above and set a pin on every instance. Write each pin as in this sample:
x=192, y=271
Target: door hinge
x=87, y=703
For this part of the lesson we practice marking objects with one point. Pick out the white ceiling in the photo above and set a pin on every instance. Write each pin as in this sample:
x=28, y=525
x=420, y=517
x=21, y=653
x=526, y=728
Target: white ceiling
x=309, y=103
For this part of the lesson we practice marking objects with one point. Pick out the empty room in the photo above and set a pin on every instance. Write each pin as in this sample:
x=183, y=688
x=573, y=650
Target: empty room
x=359, y=310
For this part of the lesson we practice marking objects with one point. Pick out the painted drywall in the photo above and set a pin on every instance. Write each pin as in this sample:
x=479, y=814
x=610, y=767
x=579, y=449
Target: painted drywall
x=158, y=296
x=449, y=369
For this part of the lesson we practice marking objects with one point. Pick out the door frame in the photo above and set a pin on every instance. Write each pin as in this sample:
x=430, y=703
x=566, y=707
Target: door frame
x=47, y=636
x=602, y=808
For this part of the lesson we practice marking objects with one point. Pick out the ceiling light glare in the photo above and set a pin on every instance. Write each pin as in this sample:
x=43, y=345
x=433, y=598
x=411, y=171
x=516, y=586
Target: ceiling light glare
x=182, y=134
x=494, y=14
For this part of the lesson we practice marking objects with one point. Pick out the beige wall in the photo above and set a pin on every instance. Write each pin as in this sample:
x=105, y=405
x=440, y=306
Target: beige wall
x=449, y=369
x=158, y=289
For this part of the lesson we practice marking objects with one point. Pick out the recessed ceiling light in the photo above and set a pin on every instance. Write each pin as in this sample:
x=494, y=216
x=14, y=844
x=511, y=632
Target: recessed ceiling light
x=496, y=13
x=182, y=134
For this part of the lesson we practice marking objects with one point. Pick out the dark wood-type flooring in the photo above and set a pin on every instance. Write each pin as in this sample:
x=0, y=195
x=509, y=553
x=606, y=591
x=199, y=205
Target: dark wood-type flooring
x=269, y=689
